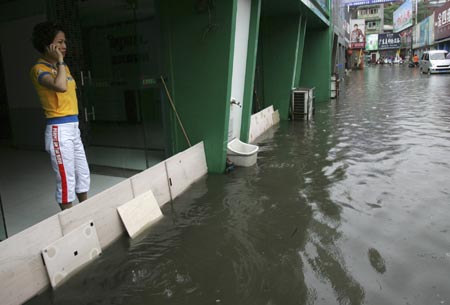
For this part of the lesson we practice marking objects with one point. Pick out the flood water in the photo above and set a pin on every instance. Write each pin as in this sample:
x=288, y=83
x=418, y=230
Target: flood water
x=351, y=208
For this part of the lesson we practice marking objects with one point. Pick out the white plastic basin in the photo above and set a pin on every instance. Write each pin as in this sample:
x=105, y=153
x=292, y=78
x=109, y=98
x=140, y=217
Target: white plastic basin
x=242, y=154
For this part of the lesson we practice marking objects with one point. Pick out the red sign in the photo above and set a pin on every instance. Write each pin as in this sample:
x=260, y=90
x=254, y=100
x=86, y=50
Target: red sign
x=442, y=22
x=357, y=45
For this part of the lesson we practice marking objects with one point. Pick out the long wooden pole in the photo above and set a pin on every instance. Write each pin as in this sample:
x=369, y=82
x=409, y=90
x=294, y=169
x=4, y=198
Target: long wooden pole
x=175, y=110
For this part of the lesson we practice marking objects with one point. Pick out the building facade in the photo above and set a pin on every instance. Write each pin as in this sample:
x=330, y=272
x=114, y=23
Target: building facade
x=341, y=37
x=208, y=52
x=374, y=17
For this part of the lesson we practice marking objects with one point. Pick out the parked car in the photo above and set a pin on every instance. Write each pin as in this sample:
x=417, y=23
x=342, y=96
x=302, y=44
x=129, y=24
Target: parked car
x=434, y=61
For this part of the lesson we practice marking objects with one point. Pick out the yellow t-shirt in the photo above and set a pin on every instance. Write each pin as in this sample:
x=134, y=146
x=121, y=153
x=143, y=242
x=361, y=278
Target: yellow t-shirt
x=55, y=104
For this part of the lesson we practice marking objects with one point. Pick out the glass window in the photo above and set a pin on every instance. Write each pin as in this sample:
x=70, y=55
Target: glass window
x=3, y=233
x=114, y=55
x=437, y=56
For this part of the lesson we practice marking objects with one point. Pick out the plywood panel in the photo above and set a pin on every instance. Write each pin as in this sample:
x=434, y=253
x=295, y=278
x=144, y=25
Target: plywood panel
x=253, y=131
x=255, y=126
x=139, y=213
x=185, y=168
x=71, y=252
x=260, y=122
x=102, y=208
x=155, y=179
x=276, y=117
x=268, y=117
x=22, y=271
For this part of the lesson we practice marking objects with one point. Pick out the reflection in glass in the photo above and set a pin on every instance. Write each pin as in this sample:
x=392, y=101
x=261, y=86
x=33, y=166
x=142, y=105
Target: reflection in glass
x=121, y=97
x=3, y=232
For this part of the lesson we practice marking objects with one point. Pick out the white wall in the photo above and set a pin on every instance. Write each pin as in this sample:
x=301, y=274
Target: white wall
x=239, y=66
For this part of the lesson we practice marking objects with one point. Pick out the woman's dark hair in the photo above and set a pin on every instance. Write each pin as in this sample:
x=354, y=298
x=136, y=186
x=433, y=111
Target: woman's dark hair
x=43, y=34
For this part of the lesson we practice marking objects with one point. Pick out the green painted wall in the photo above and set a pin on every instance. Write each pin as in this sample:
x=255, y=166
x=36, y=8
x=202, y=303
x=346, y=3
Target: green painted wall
x=279, y=36
x=316, y=65
x=250, y=71
x=198, y=66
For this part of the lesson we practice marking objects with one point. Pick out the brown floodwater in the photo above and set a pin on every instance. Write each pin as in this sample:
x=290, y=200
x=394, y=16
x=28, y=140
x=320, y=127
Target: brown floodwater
x=350, y=208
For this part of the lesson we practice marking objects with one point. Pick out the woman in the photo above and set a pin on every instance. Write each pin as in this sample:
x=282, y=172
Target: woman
x=56, y=90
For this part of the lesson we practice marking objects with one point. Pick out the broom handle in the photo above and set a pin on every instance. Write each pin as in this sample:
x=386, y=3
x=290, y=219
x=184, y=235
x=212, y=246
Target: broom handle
x=175, y=110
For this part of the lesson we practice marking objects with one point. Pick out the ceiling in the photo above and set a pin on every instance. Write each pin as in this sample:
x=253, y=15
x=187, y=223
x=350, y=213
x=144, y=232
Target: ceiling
x=292, y=7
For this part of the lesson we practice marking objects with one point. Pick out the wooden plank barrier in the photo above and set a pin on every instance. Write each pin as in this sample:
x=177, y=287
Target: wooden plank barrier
x=185, y=168
x=260, y=122
x=22, y=271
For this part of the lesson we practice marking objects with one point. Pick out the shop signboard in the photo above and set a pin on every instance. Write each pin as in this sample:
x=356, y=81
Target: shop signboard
x=357, y=35
x=442, y=22
x=416, y=36
x=366, y=2
x=431, y=30
x=389, y=41
x=403, y=16
x=372, y=42
x=405, y=38
x=423, y=32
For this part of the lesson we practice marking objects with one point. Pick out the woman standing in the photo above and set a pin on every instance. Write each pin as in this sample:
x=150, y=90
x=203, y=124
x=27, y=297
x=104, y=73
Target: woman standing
x=56, y=90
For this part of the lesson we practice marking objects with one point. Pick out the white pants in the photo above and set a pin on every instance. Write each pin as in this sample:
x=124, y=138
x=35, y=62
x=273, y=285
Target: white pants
x=63, y=143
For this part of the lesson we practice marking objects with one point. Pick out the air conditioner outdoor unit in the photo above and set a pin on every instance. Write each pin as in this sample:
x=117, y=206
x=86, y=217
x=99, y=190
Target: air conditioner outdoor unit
x=302, y=104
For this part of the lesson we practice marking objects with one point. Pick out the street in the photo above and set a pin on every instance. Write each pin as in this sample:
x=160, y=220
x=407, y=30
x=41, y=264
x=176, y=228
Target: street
x=350, y=208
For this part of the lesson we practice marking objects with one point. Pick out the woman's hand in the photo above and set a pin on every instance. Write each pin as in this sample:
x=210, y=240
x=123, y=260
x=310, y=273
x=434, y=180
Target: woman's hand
x=55, y=53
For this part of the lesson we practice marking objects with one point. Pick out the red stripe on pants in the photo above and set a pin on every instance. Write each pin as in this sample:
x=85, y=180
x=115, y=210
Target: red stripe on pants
x=59, y=161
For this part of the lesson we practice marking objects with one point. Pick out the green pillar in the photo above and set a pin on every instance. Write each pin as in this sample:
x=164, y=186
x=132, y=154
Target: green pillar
x=198, y=64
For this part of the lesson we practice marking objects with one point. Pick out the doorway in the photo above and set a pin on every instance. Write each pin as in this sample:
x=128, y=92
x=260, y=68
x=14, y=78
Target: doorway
x=121, y=96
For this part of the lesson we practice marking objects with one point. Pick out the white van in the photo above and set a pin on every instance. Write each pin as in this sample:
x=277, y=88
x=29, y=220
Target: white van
x=434, y=61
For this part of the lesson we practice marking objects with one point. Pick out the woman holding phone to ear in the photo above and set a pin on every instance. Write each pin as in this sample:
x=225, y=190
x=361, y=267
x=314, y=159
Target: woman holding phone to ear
x=56, y=90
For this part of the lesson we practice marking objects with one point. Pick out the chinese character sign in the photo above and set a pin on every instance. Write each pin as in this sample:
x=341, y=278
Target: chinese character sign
x=403, y=16
x=357, y=34
x=365, y=2
x=442, y=22
x=389, y=41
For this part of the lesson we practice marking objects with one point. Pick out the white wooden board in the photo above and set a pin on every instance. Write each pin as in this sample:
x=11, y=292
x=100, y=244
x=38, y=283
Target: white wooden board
x=22, y=271
x=252, y=135
x=155, y=179
x=268, y=117
x=262, y=121
x=71, y=252
x=139, y=213
x=102, y=208
x=276, y=117
x=185, y=168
